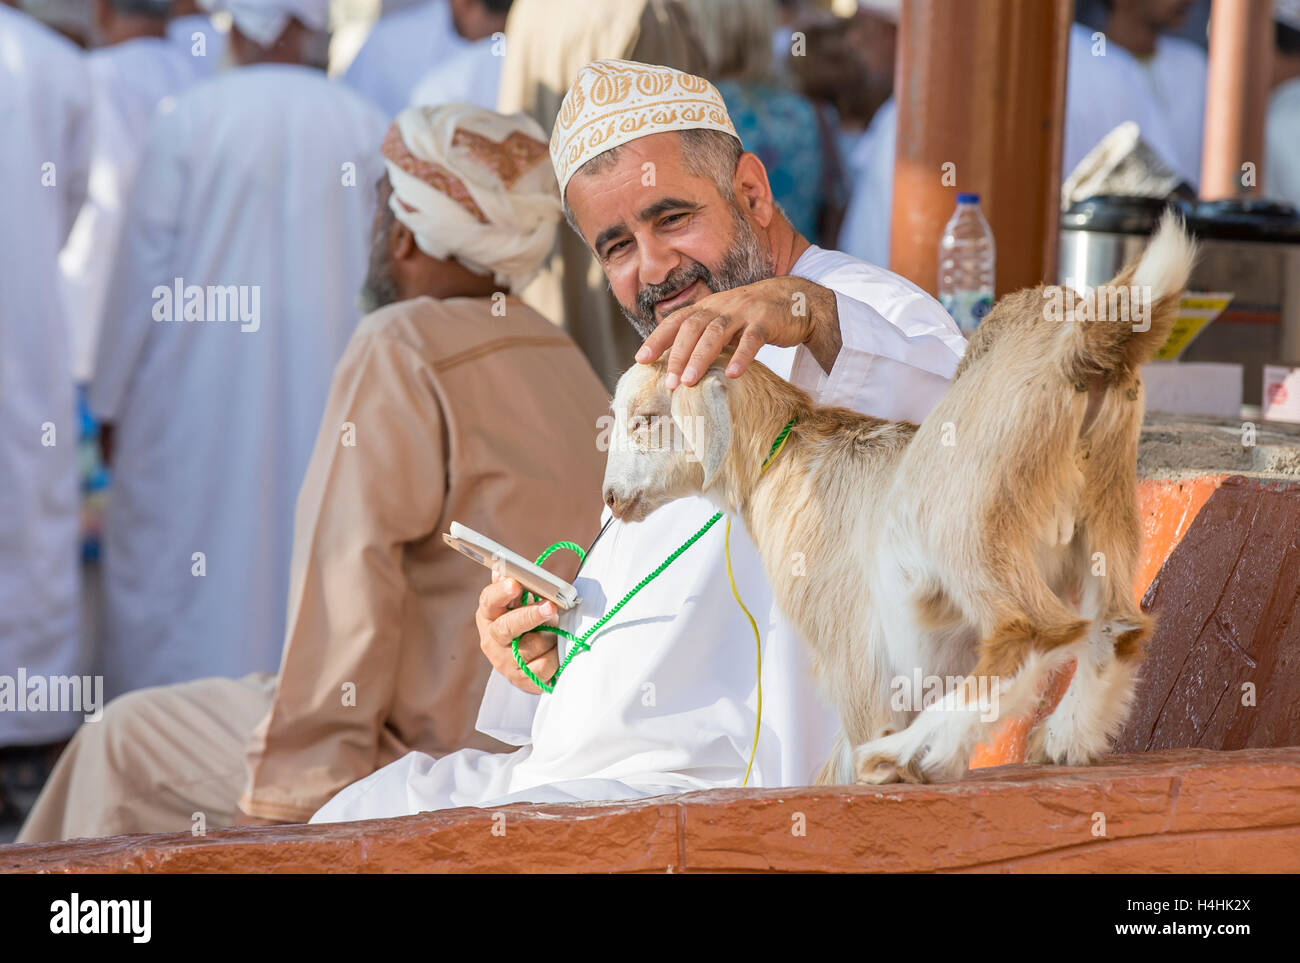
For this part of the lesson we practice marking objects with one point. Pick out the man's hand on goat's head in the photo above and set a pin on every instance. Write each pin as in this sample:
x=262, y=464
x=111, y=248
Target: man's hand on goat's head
x=499, y=624
x=784, y=311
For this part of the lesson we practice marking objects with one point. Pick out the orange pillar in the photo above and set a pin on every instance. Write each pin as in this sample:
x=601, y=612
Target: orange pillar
x=1236, y=96
x=980, y=88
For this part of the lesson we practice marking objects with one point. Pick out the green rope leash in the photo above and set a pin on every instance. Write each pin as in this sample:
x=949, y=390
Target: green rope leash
x=776, y=445
x=582, y=643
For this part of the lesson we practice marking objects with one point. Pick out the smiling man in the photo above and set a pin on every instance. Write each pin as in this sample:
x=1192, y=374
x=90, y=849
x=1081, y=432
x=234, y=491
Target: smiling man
x=665, y=698
x=698, y=254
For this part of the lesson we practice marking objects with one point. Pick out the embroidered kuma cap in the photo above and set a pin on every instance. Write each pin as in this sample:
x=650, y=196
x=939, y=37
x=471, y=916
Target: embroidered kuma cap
x=612, y=102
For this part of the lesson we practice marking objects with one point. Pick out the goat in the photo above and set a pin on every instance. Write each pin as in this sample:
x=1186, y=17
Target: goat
x=992, y=543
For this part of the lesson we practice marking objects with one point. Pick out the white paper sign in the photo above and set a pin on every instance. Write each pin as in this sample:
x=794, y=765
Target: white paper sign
x=1281, y=393
x=1193, y=387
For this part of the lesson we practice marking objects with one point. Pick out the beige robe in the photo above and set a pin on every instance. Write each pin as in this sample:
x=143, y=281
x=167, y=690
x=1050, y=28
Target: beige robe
x=438, y=411
x=547, y=44
x=458, y=415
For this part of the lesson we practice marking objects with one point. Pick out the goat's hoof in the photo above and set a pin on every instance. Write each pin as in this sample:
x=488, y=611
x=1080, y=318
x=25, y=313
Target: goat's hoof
x=882, y=770
x=1056, y=743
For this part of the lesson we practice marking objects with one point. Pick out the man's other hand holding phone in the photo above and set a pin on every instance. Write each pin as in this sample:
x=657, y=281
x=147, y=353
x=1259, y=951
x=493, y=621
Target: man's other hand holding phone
x=499, y=622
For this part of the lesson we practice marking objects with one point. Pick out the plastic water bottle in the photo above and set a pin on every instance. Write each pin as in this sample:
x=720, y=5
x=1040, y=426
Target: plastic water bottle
x=966, y=264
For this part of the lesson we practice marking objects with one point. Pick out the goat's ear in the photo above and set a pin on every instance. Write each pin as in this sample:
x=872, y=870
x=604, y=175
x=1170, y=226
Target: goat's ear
x=702, y=416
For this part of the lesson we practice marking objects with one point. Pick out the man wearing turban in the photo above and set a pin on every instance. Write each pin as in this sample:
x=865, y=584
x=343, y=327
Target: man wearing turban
x=380, y=652
x=264, y=22
x=699, y=256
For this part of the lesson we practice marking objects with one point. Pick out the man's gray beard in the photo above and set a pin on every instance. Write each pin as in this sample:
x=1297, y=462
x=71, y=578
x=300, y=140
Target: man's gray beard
x=744, y=263
x=380, y=287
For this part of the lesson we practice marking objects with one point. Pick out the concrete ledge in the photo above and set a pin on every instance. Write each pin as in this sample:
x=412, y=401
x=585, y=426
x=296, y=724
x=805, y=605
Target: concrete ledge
x=1175, y=446
x=1178, y=811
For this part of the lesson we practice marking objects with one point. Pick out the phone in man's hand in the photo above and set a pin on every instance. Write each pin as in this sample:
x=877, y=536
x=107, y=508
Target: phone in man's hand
x=489, y=554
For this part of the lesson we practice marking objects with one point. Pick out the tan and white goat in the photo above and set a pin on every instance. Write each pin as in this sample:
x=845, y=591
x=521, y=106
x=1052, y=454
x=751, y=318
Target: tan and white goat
x=993, y=543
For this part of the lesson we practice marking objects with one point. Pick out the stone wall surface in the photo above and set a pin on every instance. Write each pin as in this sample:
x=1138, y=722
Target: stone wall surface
x=1181, y=811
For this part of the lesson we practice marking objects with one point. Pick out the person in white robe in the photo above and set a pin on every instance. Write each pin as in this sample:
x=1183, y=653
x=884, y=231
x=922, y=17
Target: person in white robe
x=1282, y=127
x=472, y=75
x=405, y=45
x=666, y=699
x=233, y=296
x=864, y=232
x=192, y=30
x=44, y=157
x=866, y=228
x=129, y=76
x=1134, y=71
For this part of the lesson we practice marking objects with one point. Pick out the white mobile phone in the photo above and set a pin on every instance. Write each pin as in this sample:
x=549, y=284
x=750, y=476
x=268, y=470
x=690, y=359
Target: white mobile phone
x=488, y=553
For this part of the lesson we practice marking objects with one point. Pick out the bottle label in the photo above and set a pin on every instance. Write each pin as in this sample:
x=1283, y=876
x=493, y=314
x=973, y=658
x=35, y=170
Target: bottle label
x=967, y=307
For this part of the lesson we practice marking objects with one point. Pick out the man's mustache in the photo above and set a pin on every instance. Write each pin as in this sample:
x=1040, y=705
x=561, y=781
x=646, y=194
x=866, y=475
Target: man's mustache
x=676, y=282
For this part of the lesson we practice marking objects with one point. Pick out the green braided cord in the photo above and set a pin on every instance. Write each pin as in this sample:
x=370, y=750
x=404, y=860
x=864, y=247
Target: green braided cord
x=581, y=643
x=573, y=547
x=776, y=445
x=527, y=599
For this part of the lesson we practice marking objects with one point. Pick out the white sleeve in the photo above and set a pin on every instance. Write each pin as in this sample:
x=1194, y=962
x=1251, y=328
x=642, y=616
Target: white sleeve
x=506, y=712
x=896, y=369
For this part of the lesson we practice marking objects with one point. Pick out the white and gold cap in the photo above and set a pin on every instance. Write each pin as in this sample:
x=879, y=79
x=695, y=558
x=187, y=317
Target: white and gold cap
x=612, y=102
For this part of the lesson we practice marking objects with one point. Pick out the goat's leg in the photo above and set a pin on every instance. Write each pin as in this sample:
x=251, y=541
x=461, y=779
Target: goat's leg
x=1093, y=709
x=1097, y=702
x=1015, y=660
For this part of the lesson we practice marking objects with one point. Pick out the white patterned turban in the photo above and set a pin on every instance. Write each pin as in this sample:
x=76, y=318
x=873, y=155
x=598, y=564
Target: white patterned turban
x=474, y=185
x=262, y=21
x=612, y=102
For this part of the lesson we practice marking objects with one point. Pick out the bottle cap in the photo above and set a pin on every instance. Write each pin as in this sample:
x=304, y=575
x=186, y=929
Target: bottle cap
x=968, y=198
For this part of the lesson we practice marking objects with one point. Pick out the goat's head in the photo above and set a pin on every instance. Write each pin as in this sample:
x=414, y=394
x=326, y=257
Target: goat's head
x=664, y=445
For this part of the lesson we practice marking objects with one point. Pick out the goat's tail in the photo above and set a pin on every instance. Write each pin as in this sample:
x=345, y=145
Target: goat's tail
x=1129, y=319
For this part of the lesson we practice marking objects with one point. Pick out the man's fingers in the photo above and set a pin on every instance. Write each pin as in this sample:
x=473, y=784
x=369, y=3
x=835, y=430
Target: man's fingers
x=688, y=336
x=535, y=645
x=661, y=338
x=716, y=335
x=750, y=342
x=516, y=622
x=544, y=668
x=496, y=598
